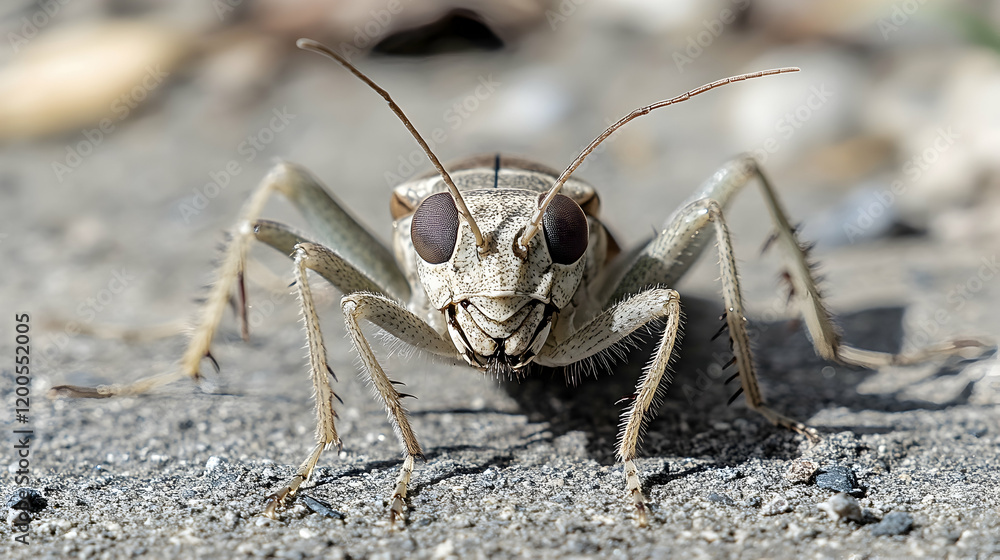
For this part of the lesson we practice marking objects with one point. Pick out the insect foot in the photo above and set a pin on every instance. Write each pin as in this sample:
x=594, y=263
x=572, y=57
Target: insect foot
x=635, y=493
x=397, y=501
x=276, y=501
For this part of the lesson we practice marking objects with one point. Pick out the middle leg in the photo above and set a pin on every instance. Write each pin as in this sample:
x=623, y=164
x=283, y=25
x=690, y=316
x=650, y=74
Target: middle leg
x=689, y=223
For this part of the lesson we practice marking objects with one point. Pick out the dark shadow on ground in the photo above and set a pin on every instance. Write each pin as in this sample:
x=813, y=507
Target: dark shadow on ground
x=794, y=380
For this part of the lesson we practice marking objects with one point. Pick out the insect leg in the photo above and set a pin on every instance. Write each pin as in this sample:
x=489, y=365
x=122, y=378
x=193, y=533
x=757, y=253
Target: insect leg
x=690, y=223
x=366, y=255
x=409, y=328
x=601, y=333
x=675, y=248
x=319, y=369
x=380, y=310
x=819, y=323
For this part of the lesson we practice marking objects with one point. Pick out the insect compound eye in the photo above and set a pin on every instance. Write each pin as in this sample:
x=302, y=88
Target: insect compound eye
x=566, y=230
x=434, y=228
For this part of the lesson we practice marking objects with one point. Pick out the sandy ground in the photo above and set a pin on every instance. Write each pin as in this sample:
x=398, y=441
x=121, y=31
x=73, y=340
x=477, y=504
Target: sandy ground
x=512, y=470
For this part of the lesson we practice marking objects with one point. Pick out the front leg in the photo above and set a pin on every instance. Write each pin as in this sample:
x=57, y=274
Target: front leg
x=409, y=328
x=320, y=372
x=607, y=329
x=383, y=312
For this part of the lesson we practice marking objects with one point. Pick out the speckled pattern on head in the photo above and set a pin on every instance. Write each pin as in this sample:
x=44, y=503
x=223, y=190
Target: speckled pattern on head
x=497, y=305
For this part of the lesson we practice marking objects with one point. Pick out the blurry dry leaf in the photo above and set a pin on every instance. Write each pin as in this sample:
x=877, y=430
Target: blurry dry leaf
x=73, y=77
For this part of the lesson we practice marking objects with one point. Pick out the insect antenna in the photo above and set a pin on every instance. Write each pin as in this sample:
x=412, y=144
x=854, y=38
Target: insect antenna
x=536, y=218
x=319, y=48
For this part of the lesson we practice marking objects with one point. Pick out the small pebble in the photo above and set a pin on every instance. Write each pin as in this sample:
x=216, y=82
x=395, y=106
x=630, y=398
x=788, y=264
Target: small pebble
x=728, y=474
x=978, y=431
x=895, y=523
x=27, y=499
x=721, y=499
x=15, y=517
x=321, y=507
x=839, y=479
x=776, y=506
x=842, y=506
x=444, y=550
x=212, y=464
x=801, y=471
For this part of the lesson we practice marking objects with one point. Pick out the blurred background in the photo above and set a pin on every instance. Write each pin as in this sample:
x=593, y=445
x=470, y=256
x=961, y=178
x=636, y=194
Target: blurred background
x=131, y=131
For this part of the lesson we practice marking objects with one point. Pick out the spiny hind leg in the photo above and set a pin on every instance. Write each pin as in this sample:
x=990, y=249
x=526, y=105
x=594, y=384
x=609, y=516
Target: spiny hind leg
x=228, y=276
x=679, y=243
x=686, y=233
x=819, y=323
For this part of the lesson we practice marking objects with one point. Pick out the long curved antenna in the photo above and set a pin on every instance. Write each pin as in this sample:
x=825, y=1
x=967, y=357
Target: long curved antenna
x=536, y=218
x=319, y=48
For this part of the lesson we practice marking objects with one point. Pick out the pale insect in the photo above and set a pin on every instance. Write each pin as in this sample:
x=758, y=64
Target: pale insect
x=504, y=263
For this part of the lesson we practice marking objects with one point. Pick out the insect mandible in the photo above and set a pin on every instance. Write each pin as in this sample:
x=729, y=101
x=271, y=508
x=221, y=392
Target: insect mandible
x=504, y=263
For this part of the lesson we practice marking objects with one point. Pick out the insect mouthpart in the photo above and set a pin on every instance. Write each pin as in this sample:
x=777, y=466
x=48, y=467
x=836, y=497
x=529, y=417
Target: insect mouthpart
x=499, y=335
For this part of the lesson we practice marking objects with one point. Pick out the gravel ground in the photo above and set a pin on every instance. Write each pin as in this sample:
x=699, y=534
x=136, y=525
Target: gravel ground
x=512, y=470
